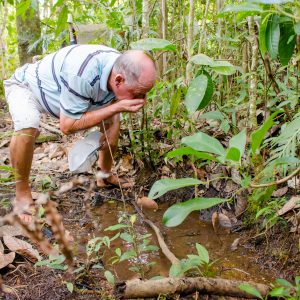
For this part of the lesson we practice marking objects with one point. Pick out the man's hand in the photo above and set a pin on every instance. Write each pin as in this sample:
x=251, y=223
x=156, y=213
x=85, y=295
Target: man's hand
x=133, y=105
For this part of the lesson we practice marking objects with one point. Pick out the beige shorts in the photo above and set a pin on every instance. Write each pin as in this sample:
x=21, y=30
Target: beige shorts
x=25, y=109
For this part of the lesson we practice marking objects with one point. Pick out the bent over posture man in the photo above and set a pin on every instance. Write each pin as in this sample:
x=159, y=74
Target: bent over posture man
x=77, y=85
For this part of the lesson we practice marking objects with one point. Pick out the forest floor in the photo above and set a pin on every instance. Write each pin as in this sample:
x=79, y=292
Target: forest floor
x=241, y=252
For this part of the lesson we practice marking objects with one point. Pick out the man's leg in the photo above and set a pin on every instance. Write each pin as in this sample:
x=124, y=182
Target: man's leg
x=106, y=153
x=21, y=152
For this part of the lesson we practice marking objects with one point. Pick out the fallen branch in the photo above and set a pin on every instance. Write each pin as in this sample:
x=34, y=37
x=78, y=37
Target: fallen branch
x=164, y=248
x=50, y=128
x=137, y=288
x=285, y=179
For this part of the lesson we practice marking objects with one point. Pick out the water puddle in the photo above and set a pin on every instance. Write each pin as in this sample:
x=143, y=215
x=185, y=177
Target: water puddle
x=238, y=264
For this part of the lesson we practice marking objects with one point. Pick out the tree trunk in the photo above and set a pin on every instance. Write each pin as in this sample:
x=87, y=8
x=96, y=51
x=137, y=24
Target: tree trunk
x=203, y=28
x=164, y=24
x=253, y=76
x=29, y=31
x=2, y=44
x=145, y=19
x=168, y=286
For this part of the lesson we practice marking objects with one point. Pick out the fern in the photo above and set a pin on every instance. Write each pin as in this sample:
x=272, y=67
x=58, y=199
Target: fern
x=287, y=143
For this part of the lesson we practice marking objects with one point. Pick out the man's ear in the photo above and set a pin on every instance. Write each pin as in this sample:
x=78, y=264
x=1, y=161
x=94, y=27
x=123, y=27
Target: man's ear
x=119, y=79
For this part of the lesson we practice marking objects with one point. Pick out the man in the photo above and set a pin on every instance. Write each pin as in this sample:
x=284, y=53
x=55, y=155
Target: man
x=77, y=85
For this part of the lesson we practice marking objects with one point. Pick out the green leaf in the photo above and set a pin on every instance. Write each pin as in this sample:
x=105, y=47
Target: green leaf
x=128, y=255
x=297, y=28
x=109, y=277
x=258, y=135
x=176, y=270
x=250, y=290
x=284, y=282
x=177, y=213
x=126, y=237
x=196, y=93
x=190, y=151
x=287, y=42
x=208, y=93
x=153, y=44
x=62, y=20
x=223, y=67
x=115, y=227
x=175, y=101
x=202, y=59
x=273, y=35
x=243, y=7
x=203, y=142
x=233, y=154
x=118, y=252
x=203, y=253
x=262, y=34
x=279, y=292
x=70, y=287
x=163, y=186
x=239, y=142
x=22, y=7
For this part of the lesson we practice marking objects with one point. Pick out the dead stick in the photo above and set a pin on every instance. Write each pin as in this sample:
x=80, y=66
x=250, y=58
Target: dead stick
x=137, y=288
x=276, y=182
x=164, y=248
x=50, y=128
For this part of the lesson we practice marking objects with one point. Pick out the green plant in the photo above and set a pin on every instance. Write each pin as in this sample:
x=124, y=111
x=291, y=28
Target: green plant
x=282, y=289
x=199, y=262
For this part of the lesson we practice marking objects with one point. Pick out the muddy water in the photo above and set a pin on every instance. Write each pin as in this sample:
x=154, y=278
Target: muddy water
x=239, y=264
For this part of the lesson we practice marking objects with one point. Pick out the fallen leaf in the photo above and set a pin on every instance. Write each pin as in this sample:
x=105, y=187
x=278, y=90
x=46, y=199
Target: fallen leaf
x=215, y=221
x=230, y=215
x=21, y=247
x=165, y=170
x=240, y=206
x=147, y=203
x=294, y=183
x=201, y=174
x=224, y=221
x=230, y=187
x=280, y=192
x=126, y=164
x=293, y=203
x=235, y=244
x=236, y=176
x=6, y=259
x=10, y=230
x=1, y=248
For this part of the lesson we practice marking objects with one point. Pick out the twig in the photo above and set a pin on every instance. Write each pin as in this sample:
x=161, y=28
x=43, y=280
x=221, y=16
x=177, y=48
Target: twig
x=164, y=248
x=285, y=179
x=50, y=128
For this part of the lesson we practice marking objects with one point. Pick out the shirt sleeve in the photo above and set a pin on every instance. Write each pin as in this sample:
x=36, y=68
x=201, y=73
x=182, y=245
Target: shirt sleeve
x=76, y=95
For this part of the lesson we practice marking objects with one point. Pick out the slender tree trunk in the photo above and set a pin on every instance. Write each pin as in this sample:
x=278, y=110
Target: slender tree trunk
x=145, y=18
x=190, y=38
x=2, y=44
x=29, y=30
x=245, y=57
x=164, y=24
x=203, y=28
x=253, y=75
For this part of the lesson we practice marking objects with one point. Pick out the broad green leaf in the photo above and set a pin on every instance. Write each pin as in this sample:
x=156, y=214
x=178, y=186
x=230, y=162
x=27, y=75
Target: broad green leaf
x=128, y=255
x=202, y=59
x=70, y=287
x=203, y=253
x=175, y=101
x=203, y=142
x=163, y=186
x=208, y=93
x=126, y=237
x=153, y=44
x=212, y=115
x=273, y=35
x=239, y=142
x=118, y=251
x=284, y=282
x=262, y=34
x=196, y=93
x=22, y=7
x=279, y=292
x=243, y=7
x=287, y=42
x=233, y=154
x=258, y=135
x=223, y=67
x=286, y=160
x=62, y=20
x=250, y=290
x=177, y=213
x=190, y=151
x=176, y=270
x=109, y=277
x=115, y=227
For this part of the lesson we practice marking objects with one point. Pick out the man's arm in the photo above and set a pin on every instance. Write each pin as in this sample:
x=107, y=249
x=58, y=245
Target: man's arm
x=93, y=118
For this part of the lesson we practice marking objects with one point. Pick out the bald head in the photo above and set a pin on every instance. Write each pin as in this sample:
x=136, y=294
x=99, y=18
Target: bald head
x=137, y=68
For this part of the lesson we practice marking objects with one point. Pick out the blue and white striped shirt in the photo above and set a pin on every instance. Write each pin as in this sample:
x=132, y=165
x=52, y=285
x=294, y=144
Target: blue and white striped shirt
x=72, y=80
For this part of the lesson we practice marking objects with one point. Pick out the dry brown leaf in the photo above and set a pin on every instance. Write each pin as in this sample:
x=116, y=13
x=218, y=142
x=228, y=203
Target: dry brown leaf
x=236, y=176
x=230, y=215
x=280, y=192
x=240, y=206
x=230, y=187
x=215, y=221
x=165, y=170
x=1, y=247
x=235, y=244
x=293, y=203
x=6, y=259
x=10, y=230
x=294, y=183
x=21, y=247
x=147, y=203
x=224, y=221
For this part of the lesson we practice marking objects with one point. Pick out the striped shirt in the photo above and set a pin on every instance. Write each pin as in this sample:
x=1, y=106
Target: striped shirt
x=72, y=80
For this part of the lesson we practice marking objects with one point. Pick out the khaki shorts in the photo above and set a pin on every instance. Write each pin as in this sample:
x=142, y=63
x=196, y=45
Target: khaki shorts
x=25, y=109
